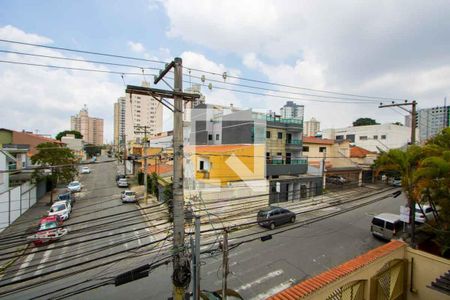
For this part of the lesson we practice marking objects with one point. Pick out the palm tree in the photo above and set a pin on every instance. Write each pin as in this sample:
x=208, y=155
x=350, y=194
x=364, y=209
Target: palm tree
x=405, y=163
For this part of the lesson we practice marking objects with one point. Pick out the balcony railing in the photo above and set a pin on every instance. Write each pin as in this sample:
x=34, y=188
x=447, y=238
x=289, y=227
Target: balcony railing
x=292, y=161
x=294, y=166
x=294, y=142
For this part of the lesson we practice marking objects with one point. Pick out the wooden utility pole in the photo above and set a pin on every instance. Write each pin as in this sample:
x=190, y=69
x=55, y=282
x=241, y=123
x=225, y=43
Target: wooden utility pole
x=180, y=260
x=412, y=205
x=144, y=155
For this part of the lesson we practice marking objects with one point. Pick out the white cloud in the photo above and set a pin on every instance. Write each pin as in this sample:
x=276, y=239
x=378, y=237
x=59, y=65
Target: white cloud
x=136, y=47
x=44, y=98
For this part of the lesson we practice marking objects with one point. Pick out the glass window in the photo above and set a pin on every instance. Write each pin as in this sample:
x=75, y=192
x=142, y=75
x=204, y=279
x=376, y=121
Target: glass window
x=217, y=137
x=378, y=222
x=375, y=137
x=389, y=226
x=305, y=149
x=280, y=135
x=339, y=137
x=322, y=149
x=383, y=136
x=202, y=165
x=209, y=137
x=267, y=134
x=363, y=137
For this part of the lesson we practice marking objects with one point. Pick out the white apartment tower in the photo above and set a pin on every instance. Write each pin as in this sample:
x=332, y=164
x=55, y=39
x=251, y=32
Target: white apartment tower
x=292, y=110
x=311, y=127
x=431, y=121
x=136, y=110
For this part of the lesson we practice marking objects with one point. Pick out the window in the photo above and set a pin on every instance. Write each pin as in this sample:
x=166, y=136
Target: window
x=279, y=153
x=350, y=137
x=267, y=155
x=138, y=97
x=378, y=222
x=305, y=149
x=363, y=138
x=383, y=136
x=217, y=137
x=202, y=165
x=280, y=135
x=267, y=134
x=322, y=149
x=375, y=137
x=209, y=137
x=339, y=137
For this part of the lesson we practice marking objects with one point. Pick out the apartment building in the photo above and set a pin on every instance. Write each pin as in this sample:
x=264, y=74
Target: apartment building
x=131, y=111
x=90, y=128
x=431, y=121
x=311, y=127
x=372, y=137
x=292, y=110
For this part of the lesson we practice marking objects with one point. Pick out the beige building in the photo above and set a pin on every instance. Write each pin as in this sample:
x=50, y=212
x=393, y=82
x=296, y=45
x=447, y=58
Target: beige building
x=90, y=128
x=311, y=127
x=136, y=110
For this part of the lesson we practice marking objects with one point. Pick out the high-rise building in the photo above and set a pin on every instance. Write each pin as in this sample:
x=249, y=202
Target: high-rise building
x=292, y=110
x=90, y=128
x=136, y=110
x=311, y=127
x=431, y=121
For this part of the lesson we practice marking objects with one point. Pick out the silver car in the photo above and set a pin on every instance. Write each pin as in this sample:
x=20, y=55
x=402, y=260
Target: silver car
x=128, y=196
x=122, y=182
x=74, y=186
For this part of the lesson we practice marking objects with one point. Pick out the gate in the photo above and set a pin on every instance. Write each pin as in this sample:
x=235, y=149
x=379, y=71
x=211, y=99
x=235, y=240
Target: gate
x=351, y=291
x=390, y=282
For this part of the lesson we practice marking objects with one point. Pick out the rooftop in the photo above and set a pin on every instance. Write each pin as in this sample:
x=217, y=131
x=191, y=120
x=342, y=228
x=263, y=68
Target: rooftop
x=315, y=140
x=313, y=284
x=359, y=152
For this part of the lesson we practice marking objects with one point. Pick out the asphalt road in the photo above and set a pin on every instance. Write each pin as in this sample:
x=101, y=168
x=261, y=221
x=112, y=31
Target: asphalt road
x=260, y=269
x=100, y=227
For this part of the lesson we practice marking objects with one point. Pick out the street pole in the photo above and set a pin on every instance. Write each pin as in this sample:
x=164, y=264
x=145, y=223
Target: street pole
x=196, y=260
x=412, y=204
x=225, y=264
x=178, y=196
x=124, y=155
x=324, y=159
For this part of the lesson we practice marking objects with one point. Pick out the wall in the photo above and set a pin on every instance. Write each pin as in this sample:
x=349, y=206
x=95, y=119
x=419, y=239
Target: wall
x=5, y=137
x=426, y=268
x=14, y=202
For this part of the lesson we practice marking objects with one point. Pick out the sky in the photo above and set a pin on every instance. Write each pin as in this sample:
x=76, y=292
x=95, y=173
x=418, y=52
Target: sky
x=389, y=49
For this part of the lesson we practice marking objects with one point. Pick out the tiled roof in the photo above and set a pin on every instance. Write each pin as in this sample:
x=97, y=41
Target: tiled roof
x=313, y=284
x=314, y=140
x=356, y=151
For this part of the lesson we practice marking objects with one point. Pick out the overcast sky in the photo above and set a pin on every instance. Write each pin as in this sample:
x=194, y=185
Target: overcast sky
x=395, y=49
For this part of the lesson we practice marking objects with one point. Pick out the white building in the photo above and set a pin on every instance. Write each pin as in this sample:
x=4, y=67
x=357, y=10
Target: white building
x=372, y=137
x=137, y=110
x=292, y=110
x=431, y=121
x=311, y=127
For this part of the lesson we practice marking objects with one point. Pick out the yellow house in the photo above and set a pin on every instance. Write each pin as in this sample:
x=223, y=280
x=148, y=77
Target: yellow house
x=221, y=164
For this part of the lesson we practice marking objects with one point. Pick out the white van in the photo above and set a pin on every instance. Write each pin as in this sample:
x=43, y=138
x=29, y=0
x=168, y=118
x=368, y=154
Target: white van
x=386, y=226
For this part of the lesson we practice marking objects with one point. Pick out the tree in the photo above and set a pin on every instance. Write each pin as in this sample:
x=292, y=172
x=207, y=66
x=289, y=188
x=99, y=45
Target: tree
x=59, y=160
x=364, y=122
x=77, y=134
x=92, y=150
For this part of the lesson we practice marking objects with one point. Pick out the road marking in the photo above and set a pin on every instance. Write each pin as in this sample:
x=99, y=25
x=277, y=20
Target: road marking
x=44, y=259
x=260, y=280
x=25, y=264
x=273, y=290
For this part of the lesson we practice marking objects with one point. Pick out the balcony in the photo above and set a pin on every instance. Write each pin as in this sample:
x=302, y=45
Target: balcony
x=294, y=166
x=294, y=144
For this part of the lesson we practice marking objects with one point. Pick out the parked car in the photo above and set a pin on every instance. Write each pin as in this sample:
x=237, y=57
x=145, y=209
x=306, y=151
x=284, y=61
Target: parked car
x=49, y=229
x=74, y=186
x=386, y=226
x=428, y=210
x=85, y=170
x=128, y=196
x=118, y=176
x=336, y=179
x=396, y=182
x=122, y=182
x=67, y=196
x=273, y=216
x=61, y=209
x=94, y=159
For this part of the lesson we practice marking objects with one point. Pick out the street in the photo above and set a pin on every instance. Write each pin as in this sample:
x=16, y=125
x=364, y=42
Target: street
x=259, y=269
x=100, y=227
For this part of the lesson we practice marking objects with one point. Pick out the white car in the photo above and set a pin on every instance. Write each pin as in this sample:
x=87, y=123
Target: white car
x=128, y=196
x=122, y=182
x=61, y=209
x=428, y=210
x=85, y=170
x=74, y=186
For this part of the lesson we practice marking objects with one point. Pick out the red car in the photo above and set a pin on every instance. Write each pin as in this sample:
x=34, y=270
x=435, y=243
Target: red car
x=49, y=230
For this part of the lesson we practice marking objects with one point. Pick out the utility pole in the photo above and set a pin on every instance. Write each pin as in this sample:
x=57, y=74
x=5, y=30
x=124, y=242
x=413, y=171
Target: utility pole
x=144, y=155
x=180, y=261
x=196, y=259
x=412, y=205
x=324, y=159
x=124, y=143
x=225, y=264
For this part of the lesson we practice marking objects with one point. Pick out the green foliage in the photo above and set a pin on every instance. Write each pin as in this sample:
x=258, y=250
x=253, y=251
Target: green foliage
x=77, y=134
x=60, y=159
x=92, y=150
x=364, y=122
